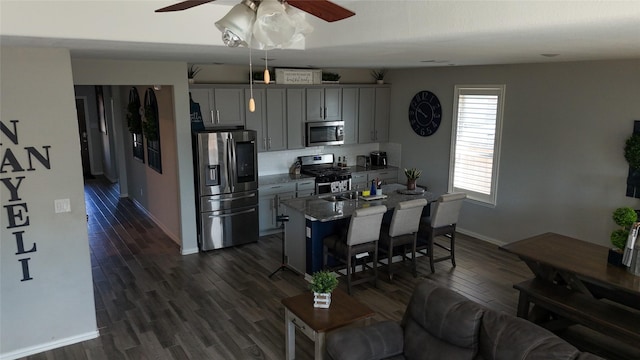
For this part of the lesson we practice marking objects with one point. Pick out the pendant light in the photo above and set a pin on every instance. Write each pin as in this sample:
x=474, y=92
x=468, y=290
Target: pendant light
x=237, y=25
x=267, y=76
x=252, y=102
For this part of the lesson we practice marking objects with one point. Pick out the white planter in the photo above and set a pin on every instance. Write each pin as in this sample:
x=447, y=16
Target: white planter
x=321, y=300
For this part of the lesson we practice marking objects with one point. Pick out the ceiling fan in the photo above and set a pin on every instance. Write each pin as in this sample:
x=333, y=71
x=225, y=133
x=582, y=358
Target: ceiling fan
x=323, y=9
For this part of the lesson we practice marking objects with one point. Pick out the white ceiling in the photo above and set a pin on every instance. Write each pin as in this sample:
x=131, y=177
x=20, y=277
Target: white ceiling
x=383, y=33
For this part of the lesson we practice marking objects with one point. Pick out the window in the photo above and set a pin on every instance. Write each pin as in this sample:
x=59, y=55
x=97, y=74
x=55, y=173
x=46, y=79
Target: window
x=475, y=141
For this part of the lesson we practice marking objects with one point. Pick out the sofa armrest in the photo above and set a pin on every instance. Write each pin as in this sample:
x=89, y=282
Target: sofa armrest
x=377, y=341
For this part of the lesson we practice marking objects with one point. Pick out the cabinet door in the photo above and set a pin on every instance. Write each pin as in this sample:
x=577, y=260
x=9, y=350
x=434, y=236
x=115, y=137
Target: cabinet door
x=204, y=98
x=230, y=106
x=315, y=104
x=359, y=181
x=267, y=211
x=366, y=107
x=276, y=120
x=295, y=119
x=333, y=104
x=350, y=115
x=382, y=114
x=256, y=120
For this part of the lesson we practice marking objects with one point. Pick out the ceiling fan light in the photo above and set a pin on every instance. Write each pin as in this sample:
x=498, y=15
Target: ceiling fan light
x=272, y=26
x=237, y=25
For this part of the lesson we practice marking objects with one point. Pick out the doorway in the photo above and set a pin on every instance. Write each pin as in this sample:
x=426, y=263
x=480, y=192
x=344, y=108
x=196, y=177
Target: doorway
x=81, y=109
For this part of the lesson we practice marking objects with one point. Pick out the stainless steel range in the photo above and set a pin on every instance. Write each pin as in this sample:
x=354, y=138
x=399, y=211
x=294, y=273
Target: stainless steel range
x=329, y=178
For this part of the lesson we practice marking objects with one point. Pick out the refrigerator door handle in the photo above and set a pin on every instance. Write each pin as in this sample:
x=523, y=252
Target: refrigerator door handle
x=233, y=214
x=232, y=198
x=232, y=163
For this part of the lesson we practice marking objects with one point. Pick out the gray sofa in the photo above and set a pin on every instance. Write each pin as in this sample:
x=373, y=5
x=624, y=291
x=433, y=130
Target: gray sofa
x=442, y=324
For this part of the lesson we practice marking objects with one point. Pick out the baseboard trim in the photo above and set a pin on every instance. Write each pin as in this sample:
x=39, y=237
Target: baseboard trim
x=481, y=237
x=157, y=222
x=189, y=251
x=31, y=350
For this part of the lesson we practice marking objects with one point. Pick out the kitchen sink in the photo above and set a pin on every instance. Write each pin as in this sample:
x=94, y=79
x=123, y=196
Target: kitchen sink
x=352, y=195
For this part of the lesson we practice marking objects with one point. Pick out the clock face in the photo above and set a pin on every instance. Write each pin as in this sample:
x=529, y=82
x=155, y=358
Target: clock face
x=425, y=113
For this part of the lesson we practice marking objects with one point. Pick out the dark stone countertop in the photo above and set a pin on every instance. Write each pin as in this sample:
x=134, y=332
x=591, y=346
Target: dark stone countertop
x=317, y=208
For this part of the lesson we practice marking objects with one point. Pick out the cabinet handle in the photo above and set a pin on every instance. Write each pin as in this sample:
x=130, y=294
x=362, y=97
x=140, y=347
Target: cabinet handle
x=213, y=118
x=269, y=143
x=264, y=141
x=321, y=114
x=218, y=116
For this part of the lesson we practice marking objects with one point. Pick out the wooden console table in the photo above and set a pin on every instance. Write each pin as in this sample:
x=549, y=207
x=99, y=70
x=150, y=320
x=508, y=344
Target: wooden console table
x=316, y=322
x=572, y=279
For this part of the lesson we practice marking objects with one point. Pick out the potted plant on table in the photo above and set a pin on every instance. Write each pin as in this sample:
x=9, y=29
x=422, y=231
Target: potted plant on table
x=623, y=217
x=412, y=175
x=322, y=284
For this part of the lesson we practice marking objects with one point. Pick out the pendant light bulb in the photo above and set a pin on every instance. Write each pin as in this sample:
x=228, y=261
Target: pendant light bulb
x=267, y=77
x=252, y=105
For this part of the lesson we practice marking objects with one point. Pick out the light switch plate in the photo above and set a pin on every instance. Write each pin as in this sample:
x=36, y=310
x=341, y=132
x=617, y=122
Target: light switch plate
x=62, y=205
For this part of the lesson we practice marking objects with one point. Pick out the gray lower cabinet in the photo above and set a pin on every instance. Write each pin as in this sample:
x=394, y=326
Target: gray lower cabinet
x=270, y=197
x=388, y=176
x=362, y=180
x=359, y=181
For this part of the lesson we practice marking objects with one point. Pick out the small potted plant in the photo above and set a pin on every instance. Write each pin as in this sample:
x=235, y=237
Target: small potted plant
x=322, y=284
x=378, y=75
x=412, y=175
x=623, y=217
x=192, y=71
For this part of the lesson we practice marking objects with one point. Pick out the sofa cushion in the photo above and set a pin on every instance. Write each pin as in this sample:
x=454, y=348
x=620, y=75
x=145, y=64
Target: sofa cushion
x=377, y=341
x=505, y=337
x=440, y=321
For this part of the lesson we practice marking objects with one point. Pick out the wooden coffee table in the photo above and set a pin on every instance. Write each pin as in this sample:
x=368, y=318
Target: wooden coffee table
x=316, y=322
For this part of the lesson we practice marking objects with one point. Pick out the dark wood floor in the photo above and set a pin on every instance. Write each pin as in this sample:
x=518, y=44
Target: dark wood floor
x=153, y=303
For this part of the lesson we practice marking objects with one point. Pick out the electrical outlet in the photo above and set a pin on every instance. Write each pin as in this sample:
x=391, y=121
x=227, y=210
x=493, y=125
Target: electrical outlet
x=62, y=205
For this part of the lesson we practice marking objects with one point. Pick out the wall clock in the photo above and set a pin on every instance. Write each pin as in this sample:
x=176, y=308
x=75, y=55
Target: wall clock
x=425, y=113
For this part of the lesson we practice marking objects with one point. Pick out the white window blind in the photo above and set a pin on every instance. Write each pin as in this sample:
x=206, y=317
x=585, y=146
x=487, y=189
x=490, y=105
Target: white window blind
x=475, y=145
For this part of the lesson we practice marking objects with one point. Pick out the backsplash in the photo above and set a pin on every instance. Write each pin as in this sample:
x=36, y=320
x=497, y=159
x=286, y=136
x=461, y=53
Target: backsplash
x=278, y=162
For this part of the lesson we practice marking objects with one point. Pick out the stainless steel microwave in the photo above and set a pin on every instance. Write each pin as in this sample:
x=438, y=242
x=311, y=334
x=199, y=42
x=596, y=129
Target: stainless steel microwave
x=325, y=133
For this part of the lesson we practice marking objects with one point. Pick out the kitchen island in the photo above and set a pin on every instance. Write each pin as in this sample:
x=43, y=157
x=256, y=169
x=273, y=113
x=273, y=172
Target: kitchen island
x=313, y=218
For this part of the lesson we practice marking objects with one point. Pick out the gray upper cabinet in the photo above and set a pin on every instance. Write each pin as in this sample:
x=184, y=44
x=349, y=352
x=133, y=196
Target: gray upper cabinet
x=295, y=119
x=220, y=107
x=373, y=114
x=269, y=119
x=350, y=114
x=324, y=104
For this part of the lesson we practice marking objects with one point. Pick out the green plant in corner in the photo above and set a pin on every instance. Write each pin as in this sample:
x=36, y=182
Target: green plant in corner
x=632, y=151
x=323, y=282
x=623, y=217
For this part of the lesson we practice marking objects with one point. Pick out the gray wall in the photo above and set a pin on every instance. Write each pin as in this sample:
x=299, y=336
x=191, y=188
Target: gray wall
x=56, y=306
x=562, y=167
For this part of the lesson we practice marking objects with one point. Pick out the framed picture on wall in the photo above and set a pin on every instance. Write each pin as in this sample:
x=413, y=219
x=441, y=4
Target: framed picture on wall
x=102, y=118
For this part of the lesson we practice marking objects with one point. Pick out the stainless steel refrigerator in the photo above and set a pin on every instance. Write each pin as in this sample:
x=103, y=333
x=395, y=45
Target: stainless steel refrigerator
x=226, y=174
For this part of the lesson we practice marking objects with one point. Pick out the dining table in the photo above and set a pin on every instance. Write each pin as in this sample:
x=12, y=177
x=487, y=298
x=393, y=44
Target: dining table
x=574, y=283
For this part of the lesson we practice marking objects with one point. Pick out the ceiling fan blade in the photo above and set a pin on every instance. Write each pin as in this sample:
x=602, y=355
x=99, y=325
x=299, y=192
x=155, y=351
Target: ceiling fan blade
x=324, y=9
x=184, y=5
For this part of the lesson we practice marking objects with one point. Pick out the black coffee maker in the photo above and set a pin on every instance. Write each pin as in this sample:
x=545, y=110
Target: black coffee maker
x=379, y=158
